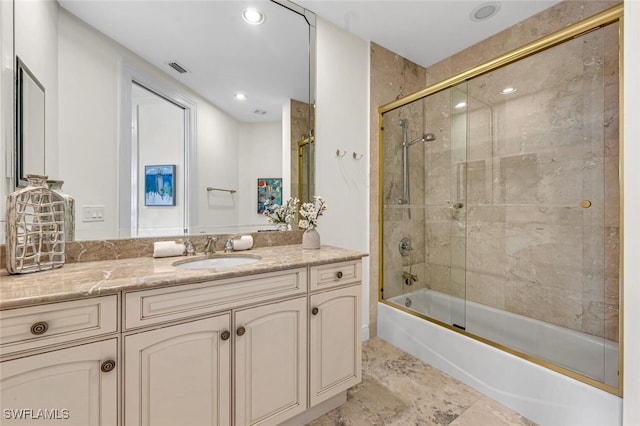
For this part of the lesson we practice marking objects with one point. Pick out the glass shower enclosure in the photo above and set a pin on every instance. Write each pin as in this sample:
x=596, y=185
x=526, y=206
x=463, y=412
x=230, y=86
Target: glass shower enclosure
x=501, y=206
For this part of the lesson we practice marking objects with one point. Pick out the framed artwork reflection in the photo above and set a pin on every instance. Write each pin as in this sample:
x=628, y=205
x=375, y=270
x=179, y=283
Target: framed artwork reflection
x=269, y=192
x=159, y=185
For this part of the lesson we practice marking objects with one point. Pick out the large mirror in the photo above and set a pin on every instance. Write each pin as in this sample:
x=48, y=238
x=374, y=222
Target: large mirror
x=242, y=94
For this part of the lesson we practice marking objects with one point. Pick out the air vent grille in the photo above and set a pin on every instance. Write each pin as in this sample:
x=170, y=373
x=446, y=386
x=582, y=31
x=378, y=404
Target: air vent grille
x=176, y=66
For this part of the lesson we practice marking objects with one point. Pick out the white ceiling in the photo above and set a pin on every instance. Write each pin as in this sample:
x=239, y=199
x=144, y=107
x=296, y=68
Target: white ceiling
x=269, y=62
x=222, y=53
x=424, y=31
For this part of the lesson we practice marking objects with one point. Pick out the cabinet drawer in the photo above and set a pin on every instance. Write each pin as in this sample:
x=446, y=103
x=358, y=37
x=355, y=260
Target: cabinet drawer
x=36, y=326
x=149, y=307
x=335, y=274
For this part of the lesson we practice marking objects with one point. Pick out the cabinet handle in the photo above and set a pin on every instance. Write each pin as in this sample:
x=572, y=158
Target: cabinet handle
x=39, y=328
x=107, y=366
x=315, y=311
x=339, y=274
x=225, y=335
x=240, y=331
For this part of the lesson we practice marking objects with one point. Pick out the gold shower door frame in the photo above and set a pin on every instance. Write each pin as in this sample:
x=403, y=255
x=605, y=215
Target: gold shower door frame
x=305, y=195
x=608, y=16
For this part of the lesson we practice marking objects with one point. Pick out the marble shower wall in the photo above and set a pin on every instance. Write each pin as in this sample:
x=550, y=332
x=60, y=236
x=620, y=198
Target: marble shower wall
x=522, y=243
x=401, y=77
x=534, y=156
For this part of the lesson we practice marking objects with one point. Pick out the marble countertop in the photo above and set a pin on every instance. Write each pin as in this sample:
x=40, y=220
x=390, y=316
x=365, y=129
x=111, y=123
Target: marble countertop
x=86, y=279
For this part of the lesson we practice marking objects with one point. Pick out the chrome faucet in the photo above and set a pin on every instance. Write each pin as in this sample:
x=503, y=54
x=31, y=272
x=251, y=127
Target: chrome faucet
x=210, y=247
x=228, y=246
x=189, y=249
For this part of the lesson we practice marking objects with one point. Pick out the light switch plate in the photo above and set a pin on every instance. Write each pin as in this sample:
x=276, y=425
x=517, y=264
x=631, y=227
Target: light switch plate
x=93, y=213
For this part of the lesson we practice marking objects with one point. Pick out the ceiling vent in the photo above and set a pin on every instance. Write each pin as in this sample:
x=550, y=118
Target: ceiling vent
x=176, y=66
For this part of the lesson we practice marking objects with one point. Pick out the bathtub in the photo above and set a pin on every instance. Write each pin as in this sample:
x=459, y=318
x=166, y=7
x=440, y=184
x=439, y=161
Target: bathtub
x=543, y=395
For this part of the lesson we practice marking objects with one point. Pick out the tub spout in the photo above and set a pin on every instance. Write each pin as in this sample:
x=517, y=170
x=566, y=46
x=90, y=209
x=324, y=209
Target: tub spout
x=409, y=278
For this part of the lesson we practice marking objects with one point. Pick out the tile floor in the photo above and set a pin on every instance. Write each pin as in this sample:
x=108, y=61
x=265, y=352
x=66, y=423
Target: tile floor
x=398, y=389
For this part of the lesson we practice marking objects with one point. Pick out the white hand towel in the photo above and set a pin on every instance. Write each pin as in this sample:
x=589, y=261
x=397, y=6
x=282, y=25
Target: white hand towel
x=243, y=243
x=167, y=249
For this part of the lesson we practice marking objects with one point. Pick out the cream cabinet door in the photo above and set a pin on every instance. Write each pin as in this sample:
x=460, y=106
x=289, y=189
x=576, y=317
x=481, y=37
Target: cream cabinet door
x=65, y=386
x=271, y=362
x=179, y=375
x=335, y=342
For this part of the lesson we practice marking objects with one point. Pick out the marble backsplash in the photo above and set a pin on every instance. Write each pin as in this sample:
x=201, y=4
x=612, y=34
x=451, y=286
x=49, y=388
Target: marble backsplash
x=127, y=248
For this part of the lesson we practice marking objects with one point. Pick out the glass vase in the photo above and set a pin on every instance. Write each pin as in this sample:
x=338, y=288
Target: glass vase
x=35, y=228
x=69, y=209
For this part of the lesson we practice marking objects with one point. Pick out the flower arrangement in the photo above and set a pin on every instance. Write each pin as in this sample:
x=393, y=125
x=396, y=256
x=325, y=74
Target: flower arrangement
x=310, y=213
x=281, y=214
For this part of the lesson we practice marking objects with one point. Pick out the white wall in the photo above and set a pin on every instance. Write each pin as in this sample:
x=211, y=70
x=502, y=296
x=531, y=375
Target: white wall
x=36, y=32
x=631, y=402
x=342, y=122
x=260, y=157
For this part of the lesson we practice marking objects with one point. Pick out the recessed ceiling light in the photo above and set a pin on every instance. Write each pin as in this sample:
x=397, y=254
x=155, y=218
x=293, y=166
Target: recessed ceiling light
x=240, y=97
x=508, y=90
x=460, y=105
x=484, y=11
x=253, y=16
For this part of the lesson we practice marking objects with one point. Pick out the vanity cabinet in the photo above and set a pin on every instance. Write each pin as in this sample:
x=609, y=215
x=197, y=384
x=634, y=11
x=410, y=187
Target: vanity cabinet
x=182, y=374
x=179, y=375
x=60, y=362
x=271, y=362
x=335, y=350
x=266, y=349
x=335, y=342
x=77, y=385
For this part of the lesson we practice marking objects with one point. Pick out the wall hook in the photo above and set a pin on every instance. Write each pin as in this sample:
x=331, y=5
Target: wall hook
x=340, y=153
x=357, y=156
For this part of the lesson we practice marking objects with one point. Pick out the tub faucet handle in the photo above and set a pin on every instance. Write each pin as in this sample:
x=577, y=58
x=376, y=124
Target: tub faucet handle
x=409, y=278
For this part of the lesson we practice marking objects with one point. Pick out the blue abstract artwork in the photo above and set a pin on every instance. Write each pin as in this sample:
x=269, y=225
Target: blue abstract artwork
x=159, y=185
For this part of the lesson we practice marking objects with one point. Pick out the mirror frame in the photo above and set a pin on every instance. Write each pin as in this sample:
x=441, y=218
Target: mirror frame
x=23, y=114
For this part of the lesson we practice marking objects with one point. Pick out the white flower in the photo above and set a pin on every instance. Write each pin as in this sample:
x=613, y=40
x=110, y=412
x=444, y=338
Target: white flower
x=310, y=213
x=280, y=214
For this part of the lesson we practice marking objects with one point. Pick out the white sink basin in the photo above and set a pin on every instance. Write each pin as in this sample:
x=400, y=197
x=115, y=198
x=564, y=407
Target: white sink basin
x=216, y=262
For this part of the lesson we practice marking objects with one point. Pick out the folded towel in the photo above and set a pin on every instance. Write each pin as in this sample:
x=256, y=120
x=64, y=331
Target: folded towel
x=243, y=243
x=167, y=249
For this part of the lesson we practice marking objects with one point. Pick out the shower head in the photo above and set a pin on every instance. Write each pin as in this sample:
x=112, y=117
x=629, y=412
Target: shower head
x=427, y=137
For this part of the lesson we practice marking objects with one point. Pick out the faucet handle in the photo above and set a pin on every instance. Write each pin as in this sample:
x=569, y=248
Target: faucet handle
x=189, y=248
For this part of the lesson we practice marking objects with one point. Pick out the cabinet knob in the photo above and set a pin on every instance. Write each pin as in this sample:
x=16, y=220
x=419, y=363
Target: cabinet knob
x=39, y=328
x=339, y=274
x=240, y=331
x=315, y=311
x=107, y=366
x=225, y=335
